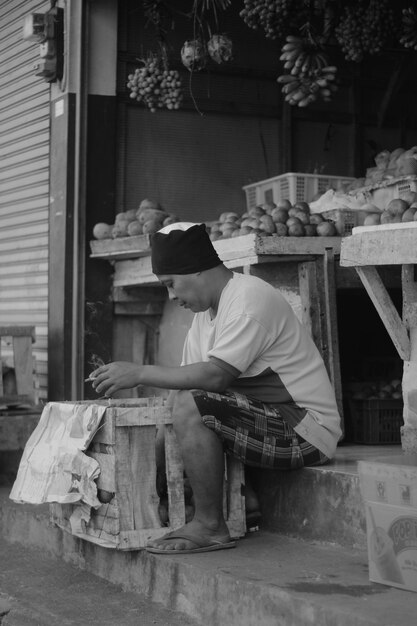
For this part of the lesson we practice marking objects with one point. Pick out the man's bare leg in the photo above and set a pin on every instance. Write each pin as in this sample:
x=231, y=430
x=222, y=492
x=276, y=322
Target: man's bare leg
x=203, y=458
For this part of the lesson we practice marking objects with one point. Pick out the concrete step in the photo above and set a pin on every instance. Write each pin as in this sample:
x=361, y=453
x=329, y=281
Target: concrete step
x=320, y=503
x=270, y=579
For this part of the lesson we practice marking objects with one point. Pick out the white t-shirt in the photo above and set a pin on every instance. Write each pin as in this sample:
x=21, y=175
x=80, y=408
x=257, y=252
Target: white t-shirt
x=257, y=336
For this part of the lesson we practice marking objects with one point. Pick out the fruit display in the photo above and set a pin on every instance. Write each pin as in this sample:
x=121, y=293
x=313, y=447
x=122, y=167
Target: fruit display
x=277, y=220
x=397, y=211
x=309, y=74
x=147, y=219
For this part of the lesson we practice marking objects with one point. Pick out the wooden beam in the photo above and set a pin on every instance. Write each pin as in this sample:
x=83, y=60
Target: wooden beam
x=386, y=309
x=391, y=244
x=330, y=308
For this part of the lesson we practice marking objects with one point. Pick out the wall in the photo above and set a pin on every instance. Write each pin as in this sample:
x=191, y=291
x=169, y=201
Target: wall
x=24, y=182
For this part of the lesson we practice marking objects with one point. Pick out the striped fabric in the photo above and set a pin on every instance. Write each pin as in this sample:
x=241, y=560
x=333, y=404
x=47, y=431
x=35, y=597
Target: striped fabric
x=254, y=432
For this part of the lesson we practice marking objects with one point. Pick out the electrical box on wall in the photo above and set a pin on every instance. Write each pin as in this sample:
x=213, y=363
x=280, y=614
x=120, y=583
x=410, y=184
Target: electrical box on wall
x=47, y=29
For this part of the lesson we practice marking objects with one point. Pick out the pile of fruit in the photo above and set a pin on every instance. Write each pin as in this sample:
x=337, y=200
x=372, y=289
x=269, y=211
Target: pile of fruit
x=147, y=219
x=280, y=220
x=379, y=391
x=398, y=210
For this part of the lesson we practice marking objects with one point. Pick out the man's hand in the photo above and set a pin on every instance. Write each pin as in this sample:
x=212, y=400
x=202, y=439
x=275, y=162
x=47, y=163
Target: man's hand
x=115, y=376
x=124, y=375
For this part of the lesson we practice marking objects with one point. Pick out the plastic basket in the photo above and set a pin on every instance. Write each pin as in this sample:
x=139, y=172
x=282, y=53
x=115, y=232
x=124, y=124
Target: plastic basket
x=381, y=194
x=376, y=421
x=293, y=187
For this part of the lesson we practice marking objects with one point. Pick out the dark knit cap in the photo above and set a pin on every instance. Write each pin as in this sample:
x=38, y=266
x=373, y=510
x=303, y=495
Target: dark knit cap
x=183, y=251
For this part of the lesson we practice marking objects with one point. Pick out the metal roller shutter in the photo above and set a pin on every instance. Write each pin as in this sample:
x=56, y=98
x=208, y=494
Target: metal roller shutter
x=24, y=181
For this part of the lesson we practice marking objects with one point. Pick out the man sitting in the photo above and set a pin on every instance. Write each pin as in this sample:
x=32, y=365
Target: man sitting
x=251, y=382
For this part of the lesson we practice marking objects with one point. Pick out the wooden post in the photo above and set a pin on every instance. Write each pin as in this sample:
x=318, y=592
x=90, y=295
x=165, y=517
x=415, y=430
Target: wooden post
x=409, y=383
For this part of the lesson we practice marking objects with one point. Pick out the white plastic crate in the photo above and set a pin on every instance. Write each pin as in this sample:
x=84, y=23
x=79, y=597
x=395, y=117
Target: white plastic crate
x=382, y=193
x=293, y=187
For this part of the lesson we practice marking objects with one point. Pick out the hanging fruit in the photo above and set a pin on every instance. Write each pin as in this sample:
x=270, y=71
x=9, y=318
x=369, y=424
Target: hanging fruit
x=408, y=37
x=220, y=48
x=155, y=86
x=365, y=28
x=309, y=75
x=273, y=16
x=194, y=55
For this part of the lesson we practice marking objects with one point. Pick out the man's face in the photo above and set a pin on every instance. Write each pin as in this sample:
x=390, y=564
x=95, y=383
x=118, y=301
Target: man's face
x=186, y=290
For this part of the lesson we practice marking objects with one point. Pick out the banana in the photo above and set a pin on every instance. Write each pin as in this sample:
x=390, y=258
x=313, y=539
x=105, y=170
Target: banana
x=294, y=54
x=329, y=69
x=292, y=86
x=286, y=78
x=304, y=102
x=293, y=39
x=300, y=59
x=306, y=65
x=325, y=93
x=288, y=65
x=321, y=82
x=298, y=95
x=290, y=46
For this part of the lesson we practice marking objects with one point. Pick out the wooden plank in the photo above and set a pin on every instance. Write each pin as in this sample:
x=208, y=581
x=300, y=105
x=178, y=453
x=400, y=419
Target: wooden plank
x=18, y=331
x=132, y=272
x=235, y=481
x=386, y=309
x=143, y=477
x=409, y=287
x=23, y=364
x=123, y=479
x=175, y=479
x=143, y=416
x=298, y=245
x=310, y=302
x=394, y=246
x=329, y=294
x=120, y=248
x=139, y=308
x=409, y=380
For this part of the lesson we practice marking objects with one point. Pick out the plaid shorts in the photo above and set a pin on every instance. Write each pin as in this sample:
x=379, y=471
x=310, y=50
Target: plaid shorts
x=255, y=432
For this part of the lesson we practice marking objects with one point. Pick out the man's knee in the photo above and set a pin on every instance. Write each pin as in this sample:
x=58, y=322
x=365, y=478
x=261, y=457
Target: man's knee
x=184, y=410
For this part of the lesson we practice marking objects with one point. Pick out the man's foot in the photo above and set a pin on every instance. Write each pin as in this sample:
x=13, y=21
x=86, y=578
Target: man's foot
x=193, y=537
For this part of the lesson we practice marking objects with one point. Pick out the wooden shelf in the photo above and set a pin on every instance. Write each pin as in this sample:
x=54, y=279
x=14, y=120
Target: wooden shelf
x=133, y=263
x=387, y=244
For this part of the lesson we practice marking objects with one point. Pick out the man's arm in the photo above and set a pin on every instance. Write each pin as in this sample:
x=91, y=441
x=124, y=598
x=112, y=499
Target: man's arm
x=124, y=375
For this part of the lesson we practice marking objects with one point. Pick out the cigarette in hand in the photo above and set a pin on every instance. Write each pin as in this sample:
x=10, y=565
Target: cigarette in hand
x=89, y=379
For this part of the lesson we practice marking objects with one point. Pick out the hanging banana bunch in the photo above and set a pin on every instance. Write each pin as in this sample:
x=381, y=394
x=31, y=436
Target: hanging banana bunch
x=409, y=28
x=309, y=75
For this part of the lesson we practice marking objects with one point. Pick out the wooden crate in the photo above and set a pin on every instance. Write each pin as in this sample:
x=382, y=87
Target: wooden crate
x=124, y=447
x=16, y=342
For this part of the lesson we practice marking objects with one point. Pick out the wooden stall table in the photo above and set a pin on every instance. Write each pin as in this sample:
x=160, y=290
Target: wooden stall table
x=302, y=268
x=367, y=250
